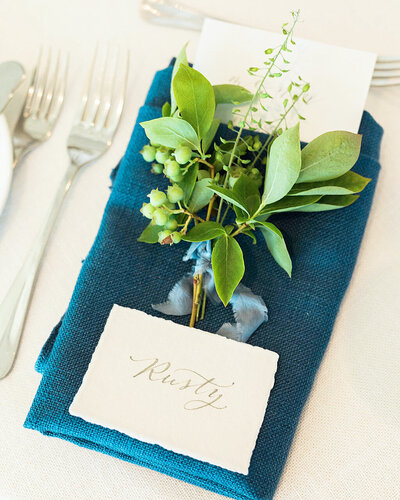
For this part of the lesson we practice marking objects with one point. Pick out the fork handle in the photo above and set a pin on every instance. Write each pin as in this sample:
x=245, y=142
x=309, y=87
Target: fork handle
x=14, y=308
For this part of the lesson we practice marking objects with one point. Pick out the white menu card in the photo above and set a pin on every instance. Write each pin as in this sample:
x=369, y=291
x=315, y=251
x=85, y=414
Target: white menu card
x=339, y=77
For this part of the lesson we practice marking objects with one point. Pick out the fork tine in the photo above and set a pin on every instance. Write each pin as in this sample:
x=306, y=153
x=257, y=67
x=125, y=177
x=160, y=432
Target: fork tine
x=387, y=65
x=385, y=82
x=119, y=92
x=94, y=87
x=41, y=84
x=109, y=82
x=387, y=59
x=60, y=81
x=386, y=73
x=32, y=85
x=50, y=88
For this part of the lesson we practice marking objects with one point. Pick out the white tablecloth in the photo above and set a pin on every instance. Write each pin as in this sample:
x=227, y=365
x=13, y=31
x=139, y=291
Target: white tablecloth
x=347, y=445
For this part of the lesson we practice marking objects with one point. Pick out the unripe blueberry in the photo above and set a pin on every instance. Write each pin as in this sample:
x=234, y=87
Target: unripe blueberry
x=157, y=198
x=203, y=174
x=183, y=154
x=175, y=193
x=156, y=168
x=164, y=235
x=170, y=205
x=162, y=154
x=171, y=224
x=148, y=153
x=172, y=168
x=176, y=237
x=177, y=178
x=147, y=210
x=160, y=217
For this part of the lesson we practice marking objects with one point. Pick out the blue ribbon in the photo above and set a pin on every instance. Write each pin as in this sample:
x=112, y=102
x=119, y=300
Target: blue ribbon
x=249, y=310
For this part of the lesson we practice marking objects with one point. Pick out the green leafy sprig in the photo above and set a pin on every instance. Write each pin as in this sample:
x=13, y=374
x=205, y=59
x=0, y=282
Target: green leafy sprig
x=211, y=177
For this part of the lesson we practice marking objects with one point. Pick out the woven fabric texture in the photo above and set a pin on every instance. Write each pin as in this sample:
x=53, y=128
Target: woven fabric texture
x=119, y=270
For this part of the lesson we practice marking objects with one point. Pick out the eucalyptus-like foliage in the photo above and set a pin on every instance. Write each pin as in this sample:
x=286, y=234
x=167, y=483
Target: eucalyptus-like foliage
x=243, y=181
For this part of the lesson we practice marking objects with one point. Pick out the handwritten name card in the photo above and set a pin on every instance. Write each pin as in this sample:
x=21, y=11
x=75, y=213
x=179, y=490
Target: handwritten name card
x=190, y=391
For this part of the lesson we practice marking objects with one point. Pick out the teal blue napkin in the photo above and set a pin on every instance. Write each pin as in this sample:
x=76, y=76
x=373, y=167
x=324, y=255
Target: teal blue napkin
x=119, y=270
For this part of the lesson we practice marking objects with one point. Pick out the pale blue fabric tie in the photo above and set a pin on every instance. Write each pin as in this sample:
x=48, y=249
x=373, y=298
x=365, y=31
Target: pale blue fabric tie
x=249, y=310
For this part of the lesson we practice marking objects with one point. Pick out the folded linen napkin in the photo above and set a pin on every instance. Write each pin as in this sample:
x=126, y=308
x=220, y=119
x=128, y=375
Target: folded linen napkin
x=120, y=270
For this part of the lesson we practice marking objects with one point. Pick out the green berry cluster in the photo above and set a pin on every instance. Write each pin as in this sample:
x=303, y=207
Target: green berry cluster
x=167, y=161
x=162, y=206
x=161, y=210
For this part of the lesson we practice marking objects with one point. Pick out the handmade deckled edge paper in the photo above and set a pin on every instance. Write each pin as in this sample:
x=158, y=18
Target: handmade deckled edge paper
x=87, y=401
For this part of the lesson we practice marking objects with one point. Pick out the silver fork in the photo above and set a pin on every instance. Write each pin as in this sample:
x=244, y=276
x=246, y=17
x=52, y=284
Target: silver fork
x=42, y=105
x=90, y=137
x=386, y=72
x=172, y=13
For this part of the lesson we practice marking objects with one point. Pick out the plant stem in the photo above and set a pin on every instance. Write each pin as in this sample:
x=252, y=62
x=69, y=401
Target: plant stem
x=197, y=280
x=239, y=230
x=255, y=96
x=209, y=165
x=203, y=307
x=225, y=213
x=271, y=136
x=210, y=206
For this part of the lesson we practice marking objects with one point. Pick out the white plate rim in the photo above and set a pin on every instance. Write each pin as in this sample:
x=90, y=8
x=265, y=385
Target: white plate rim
x=6, y=161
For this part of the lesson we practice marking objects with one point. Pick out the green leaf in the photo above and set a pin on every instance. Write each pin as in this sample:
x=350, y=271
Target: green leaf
x=201, y=195
x=247, y=190
x=329, y=203
x=180, y=59
x=230, y=196
x=209, y=137
x=329, y=156
x=349, y=183
x=288, y=204
x=189, y=180
x=171, y=132
x=205, y=231
x=284, y=162
x=166, y=109
x=228, y=266
x=150, y=234
x=231, y=94
x=195, y=98
x=277, y=246
x=249, y=232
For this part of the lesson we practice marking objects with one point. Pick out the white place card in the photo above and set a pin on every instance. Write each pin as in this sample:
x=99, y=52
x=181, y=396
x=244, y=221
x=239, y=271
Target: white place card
x=192, y=392
x=339, y=77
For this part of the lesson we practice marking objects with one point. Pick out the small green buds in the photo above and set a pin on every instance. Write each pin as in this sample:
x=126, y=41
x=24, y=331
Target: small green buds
x=149, y=153
x=156, y=168
x=171, y=224
x=157, y=198
x=164, y=237
x=147, y=210
x=183, y=154
x=172, y=169
x=175, y=193
x=162, y=154
x=176, y=237
x=160, y=217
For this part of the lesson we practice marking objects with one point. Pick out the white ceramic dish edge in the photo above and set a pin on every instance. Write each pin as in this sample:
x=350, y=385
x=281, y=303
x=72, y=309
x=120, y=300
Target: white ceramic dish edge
x=6, y=160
